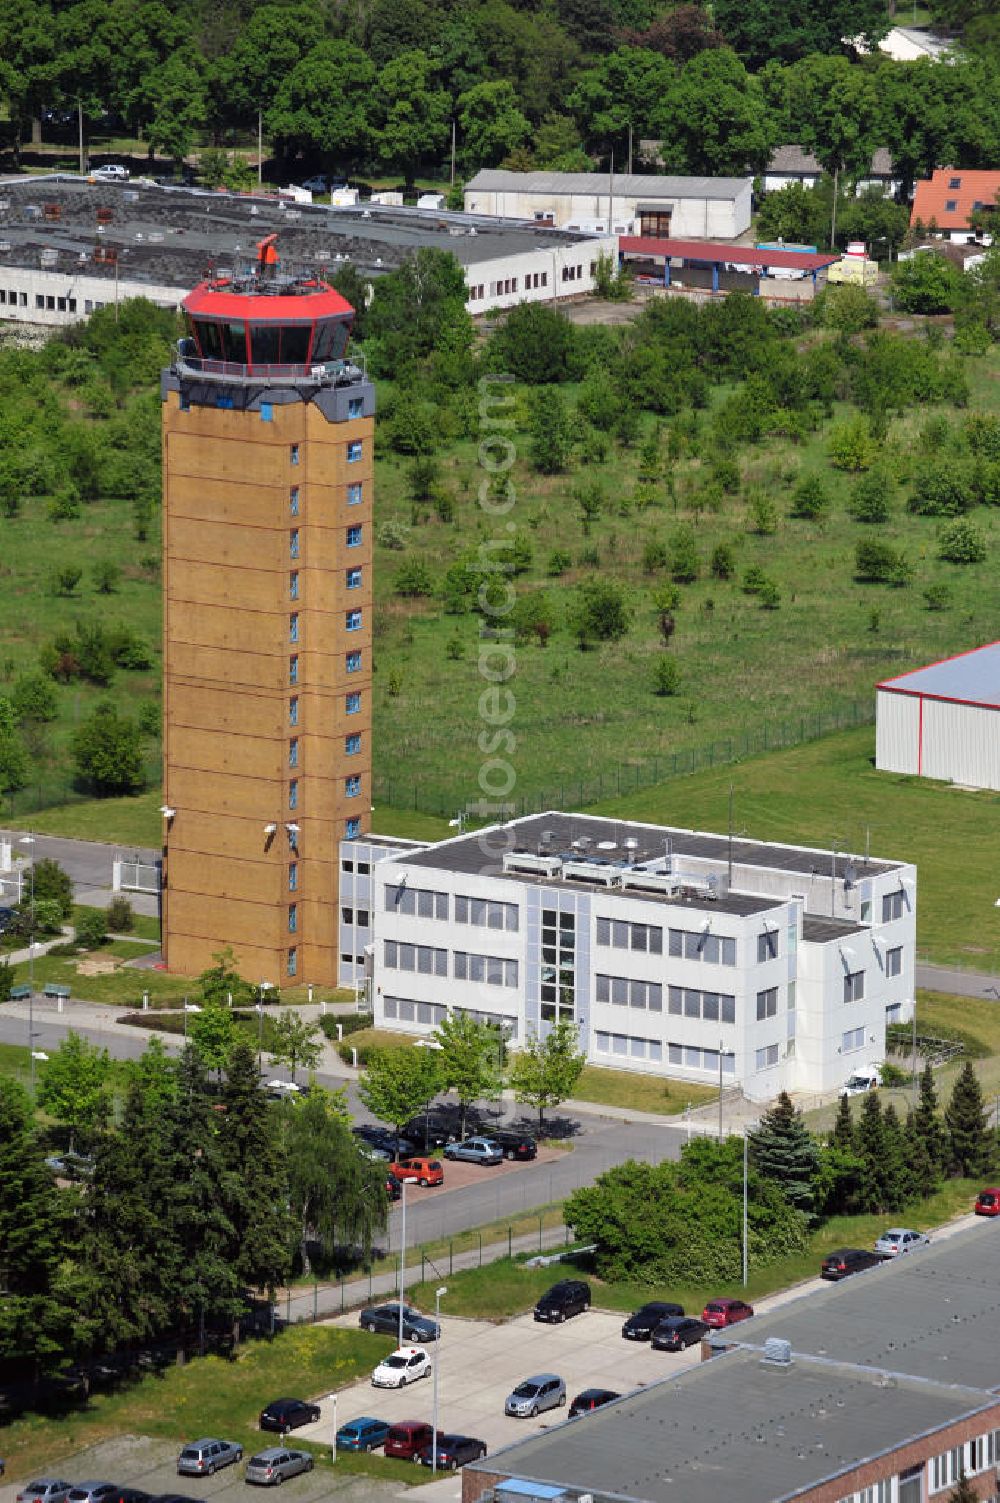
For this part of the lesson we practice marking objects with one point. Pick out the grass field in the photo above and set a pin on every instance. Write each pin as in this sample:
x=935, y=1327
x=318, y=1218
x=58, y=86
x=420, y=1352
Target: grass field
x=210, y=1396
x=508, y=1287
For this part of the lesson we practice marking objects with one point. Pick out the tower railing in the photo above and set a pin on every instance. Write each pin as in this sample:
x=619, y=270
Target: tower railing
x=187, y=361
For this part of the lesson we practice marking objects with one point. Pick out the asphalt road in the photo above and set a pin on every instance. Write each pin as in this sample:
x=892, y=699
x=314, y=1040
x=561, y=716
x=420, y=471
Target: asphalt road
x=87, y=862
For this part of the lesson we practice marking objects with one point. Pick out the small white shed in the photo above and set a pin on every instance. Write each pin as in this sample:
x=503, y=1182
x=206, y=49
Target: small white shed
x=943, y=721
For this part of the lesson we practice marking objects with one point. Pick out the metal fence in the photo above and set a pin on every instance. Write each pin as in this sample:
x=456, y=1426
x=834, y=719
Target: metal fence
x=444, y=798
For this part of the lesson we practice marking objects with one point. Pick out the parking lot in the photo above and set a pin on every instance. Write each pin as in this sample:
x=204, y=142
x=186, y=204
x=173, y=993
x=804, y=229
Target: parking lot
x=480, y=1363
x=458, y=1174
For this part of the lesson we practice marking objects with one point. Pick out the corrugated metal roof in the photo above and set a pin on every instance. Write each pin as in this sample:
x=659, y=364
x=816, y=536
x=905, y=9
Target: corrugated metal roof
x=971, y=678
x=626, y=184
x=717, y=251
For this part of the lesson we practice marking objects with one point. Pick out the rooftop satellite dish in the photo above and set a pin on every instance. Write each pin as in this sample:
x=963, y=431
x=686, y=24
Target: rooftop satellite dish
x=631, y=844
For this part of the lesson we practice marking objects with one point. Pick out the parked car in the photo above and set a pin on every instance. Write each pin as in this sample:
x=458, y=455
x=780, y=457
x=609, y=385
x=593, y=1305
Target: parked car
x=430, y=1131
x=677, y=1332
x=453, y=1451
x=132, y=1495
x=568, y=1297
x=424, y=1171
x=535, y=1395
x=859, y=1084
x=988, y=1203
x=900, y=1239
x=203, y=1458
x=288, y=1414
x=174, y=1498
x=475, y=1151
x=643, y=1322
x=271, y=1467
x=386, y=1142
x=407, y=1364
x=726, y=1312
x=385, y=1320
x=392, y=1187
x=44, y=1490
x=111, y=172
x=318, y=184
x=516, y=1145
x=365, y=1434
x=591, y=1398
x=92, y=1492
x=847, y=1260
x=406, y=1440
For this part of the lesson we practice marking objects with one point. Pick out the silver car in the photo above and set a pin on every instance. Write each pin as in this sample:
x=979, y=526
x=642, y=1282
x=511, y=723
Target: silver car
x=92, y=1492
x=900, y=1239
x=44, y=1490
x=202, y=1458
x=272, y=1466
x=475, y=1151
x=535, y=1395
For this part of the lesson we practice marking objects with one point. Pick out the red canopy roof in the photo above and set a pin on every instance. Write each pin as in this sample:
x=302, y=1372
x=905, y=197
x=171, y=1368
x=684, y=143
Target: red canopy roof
x=717, y=252
x=308, y=302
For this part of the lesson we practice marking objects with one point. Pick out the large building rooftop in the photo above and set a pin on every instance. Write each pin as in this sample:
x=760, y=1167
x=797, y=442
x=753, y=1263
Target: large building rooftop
x=654, y=188
x=971, y=678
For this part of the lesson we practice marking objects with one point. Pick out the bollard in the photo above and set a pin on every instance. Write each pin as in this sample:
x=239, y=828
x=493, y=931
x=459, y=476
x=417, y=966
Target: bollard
x=354, y=1059
x=145, y=1001
x=340, y=1033
x=59, y=1004
x=309, y=991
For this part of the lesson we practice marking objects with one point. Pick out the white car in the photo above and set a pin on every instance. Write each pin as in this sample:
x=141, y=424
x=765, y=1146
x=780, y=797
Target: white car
x=405, y=1365
x=860, y=1084
x=900, y=1239
x=111, y=172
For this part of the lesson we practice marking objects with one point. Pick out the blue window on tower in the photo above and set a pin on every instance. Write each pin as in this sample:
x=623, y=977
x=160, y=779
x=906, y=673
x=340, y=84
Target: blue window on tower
x=352, y=620
x=293, y=710
x=293, y=543
x=352, y=744
x=293, y=454
x=293, y=876
x=293, y=752
x=355, y=407
x=266, y=412
x=293, y=585
x=293, y=794
x=352, y=785
x=353, y=661
x=293, y=627
x=293, y=962
x=352, y=829
x=354, y=451
x=293, y=500
x=293, y=668
x=293, y=917
x=354, y=494
x=354, y=704
x=354, y=537
x=353, y=579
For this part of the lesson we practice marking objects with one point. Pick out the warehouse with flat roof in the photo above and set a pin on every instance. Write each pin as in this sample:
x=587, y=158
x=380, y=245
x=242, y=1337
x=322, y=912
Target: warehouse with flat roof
x=625, y=203
x=943, y=720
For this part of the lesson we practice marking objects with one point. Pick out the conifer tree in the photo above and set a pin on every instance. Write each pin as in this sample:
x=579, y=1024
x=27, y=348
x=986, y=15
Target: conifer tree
x=782, y=1149
x=965, y=1120
x=842, y=1133
x=870, y=1146
x=924, y=1172
x=899, y=1180
x=254, y=1179
x=927, y=1121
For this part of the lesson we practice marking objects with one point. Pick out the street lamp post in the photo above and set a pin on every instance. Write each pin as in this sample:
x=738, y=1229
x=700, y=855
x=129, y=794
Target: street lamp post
x=333, y=1458
x=402, y=1262
x=29, y=840
x=437, y=1363
x=744, y=1207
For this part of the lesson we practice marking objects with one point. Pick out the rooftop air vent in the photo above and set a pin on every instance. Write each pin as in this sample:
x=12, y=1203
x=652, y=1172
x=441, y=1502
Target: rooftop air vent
x=777, y=1352
x=526, y=861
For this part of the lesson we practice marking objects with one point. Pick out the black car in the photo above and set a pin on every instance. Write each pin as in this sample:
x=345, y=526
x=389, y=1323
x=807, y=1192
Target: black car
x=385, y=1319
x=453, y=1451
x=133, y=1495
x=381, y=1137
x=847, y=1260
x=677, y=1332
x=568, y=1297
x=591, y=1398
x=174, y=1498
x=288, y=1414
x=516, y=1145
x=428, y=1133
x=393, y=1188
x=644, y=1321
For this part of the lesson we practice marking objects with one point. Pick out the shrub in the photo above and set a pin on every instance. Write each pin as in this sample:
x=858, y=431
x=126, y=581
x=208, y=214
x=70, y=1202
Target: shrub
x=851, y=445
x=558, y=562
x=392, y=535
x=33, y=698
x=961, y=542
x=655, y=556
x=726, y=474
x=871, y=498
x=66, y=579
x=589, y=497
x=666, y=675
x=600, y=612
x=685, y=565
x=454, y=651
x=107, y=750
x=413, y=579
x=937, y=597
x=810, y=498
x=942, y=490
x=149, y=718
x=769, y=595
x=91, y=931
x=763, y=514
x=350, y=1022
x=723, y=561
x=846, y=308
x=754, y=580
x=107, y=576
x=119, y=916
x=877, y=562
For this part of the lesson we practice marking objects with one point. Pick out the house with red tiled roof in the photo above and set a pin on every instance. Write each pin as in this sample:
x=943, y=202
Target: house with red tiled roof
x=949, y=198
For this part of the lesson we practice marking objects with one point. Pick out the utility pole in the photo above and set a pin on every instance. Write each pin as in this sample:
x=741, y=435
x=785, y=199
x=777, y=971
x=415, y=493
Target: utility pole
x=402, y=1261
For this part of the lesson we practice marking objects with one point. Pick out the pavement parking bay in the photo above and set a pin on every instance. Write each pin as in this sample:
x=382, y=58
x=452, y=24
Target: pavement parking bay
x=480, y=1363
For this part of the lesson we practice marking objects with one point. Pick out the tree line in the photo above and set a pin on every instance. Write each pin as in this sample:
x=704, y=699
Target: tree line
x=681, y=1223
x=379, y=86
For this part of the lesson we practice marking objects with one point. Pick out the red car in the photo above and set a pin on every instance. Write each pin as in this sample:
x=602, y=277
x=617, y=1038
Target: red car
x=424, y=1171
x=726, y=1312
x=988, y=1203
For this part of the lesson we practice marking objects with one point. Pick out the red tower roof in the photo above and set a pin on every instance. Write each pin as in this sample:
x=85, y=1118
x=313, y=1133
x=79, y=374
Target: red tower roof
x=257, y=300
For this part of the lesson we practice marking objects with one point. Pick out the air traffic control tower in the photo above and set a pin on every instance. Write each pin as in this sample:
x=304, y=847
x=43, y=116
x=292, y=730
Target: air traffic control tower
x=267, y=558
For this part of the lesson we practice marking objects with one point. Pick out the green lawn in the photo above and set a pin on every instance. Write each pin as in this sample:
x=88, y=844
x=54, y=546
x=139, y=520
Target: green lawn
x=120, y=821
x=211, y=1396
x=637, y=1092
x=508, y=1288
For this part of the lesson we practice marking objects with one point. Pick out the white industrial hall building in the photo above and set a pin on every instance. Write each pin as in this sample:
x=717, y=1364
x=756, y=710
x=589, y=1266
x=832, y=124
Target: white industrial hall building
x=772, y=967
x=703, y=208
x=943, y=721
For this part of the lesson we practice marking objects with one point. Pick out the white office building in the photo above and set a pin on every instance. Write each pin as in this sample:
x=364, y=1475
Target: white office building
x=673, y=951
x=627, y=203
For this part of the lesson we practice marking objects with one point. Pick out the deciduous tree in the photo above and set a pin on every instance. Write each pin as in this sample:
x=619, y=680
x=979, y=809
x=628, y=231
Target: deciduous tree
x=73, y=1086
x=399, y=1083
x=294, y=1042
x=471, y=1060
x=335, y=1195
x=545, y=1071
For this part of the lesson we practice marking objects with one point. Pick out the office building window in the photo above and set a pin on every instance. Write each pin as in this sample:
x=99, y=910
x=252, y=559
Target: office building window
x=293, y=710
x=293, y=668
x=352, y=785
x=489, y=970
x=486, y=915
x=416, y=902
x=354, y=536
x=354, y=451
x=352, y=621
x=766, y=1057
x=767, y=946
x=767, y=1003
x=293, y=752
x=353, y=661
x=352, y=745
x=623, y=936
x=293, y=585
x=624, y=991
x=690, y=1002
x=292, y=964
x=352, y=829
x=293, y=794
x=355, y=407
x=293, y=917
x=352, y=579
x=557, y=993
x=354, y=494
x=894, y=961
x=293, y=627
x=293, y=500
x=892, y=905
x=854, y=986
x=293, y=543
x=854, y=1038
x=353, y=704
x=293, y=876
